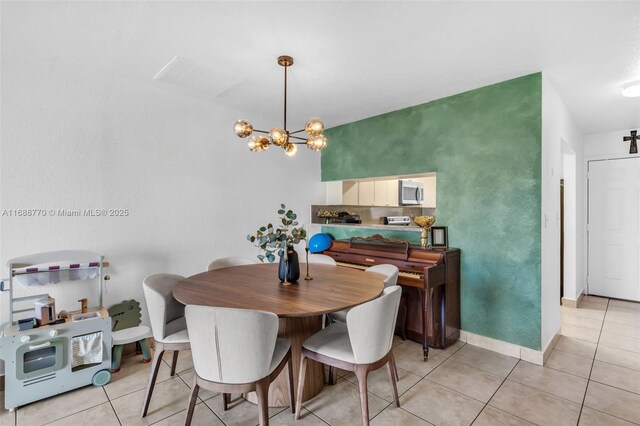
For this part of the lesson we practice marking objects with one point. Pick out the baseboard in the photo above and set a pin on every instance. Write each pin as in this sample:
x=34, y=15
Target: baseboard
x=510, y=349
x=572, y=303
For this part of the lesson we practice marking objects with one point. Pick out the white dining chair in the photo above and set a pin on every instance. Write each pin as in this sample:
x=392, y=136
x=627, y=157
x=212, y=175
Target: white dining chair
x=361, y=345
x=236, y=350
x=319, y=259
x=225, y=262
x=168, y=325
x=389, y=271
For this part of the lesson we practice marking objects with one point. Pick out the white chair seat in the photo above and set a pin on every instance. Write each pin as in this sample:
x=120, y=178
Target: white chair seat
x=179, y=337
x=338, y=316
x=332, y=341
x=176, y=331
x=130, y=335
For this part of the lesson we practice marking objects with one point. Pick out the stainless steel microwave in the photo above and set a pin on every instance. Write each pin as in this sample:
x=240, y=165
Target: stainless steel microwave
x=410, y=193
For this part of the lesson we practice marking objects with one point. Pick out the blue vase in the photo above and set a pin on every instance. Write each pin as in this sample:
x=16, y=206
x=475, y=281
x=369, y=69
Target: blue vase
x=292, y=266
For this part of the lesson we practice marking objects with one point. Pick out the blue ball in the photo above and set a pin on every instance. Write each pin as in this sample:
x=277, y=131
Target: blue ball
x=319, y=242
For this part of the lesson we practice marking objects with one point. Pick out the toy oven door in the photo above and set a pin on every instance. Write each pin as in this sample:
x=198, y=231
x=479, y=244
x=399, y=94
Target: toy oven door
x=39, y=358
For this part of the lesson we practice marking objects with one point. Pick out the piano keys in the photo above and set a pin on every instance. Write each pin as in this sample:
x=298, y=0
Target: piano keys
x=430, y=280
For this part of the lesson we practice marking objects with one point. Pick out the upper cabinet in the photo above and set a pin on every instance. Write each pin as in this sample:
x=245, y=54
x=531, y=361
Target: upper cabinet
x=382, y=192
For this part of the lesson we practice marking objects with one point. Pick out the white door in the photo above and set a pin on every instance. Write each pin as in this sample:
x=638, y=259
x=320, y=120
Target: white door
x=614, y=228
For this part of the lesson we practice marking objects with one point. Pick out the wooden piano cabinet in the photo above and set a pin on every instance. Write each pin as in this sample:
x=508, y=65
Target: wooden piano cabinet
x=433, y=312
x=430, y=280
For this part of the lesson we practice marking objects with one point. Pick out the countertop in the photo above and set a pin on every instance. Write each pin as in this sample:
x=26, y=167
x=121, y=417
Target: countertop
x=409, y=228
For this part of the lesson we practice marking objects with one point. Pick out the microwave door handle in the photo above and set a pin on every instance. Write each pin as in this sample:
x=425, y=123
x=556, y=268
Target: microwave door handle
x=418, y=195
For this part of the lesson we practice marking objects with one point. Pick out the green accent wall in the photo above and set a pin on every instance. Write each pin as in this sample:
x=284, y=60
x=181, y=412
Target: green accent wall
x=485, y=146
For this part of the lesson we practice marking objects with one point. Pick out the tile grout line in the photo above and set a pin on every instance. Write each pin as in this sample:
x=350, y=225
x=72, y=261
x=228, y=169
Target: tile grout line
x=201, y=400
x=584, y=397
x=422, y=378
x=496, y=391
x=111, y=405
x=77, y=412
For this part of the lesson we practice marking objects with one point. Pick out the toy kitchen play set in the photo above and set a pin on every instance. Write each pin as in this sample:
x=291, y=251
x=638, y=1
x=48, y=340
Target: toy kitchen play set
x=46, y=352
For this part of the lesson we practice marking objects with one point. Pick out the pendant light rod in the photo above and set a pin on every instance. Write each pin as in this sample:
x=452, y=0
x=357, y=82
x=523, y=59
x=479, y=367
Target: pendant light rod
x=285, y=97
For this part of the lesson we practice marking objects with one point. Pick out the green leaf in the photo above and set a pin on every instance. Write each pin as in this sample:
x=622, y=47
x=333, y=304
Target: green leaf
x=295, y=224
x=284, y=222
x=261, y=257
x=271, y=258
x=280, y=211
x=294, y=216
x=283, y=206
x=262, y=228
x=253, y=239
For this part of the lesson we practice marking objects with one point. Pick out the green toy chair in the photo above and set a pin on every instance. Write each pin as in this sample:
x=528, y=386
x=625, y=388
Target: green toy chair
x=127, y=329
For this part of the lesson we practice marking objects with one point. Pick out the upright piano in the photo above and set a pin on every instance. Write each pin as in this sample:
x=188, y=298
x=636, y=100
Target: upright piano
x=430, y=280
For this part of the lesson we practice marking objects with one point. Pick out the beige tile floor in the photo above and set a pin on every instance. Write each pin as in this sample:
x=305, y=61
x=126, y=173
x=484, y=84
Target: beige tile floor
x=592, y=377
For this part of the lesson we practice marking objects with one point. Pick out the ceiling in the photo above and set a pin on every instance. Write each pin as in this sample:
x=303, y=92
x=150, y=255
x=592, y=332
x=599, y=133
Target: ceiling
x=352, y=59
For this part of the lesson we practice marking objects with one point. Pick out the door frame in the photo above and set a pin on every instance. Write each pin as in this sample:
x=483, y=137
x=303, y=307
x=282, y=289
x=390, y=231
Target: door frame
x=587, y=161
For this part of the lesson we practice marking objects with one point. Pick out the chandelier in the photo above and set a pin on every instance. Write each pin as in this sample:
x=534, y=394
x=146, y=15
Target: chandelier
x=282, y=137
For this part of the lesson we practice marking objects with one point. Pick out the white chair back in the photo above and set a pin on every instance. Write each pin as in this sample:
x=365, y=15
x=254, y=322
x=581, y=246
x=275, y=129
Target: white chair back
x=225, y=262
x=371, y=326
x=321, y=259
x=231, y=345
x=162, y=306
x=389, y=271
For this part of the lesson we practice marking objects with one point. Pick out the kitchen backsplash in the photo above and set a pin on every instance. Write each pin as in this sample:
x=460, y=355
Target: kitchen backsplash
x=372, y=215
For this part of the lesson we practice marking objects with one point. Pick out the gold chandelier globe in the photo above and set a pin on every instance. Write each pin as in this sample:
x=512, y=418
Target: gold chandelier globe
x=281, y=137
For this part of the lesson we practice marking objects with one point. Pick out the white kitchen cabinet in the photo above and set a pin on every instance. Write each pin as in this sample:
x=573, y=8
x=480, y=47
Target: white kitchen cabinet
x=386, y=192
x=367, y=193
x=350, y=190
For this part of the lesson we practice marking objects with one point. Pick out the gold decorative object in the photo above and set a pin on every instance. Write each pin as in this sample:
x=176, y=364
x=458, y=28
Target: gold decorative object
x=425, y=222
x=281, y=136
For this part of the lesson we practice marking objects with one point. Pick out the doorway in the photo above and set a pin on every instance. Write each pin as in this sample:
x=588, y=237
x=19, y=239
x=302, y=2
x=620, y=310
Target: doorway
x=561, y=239
x=613, y=224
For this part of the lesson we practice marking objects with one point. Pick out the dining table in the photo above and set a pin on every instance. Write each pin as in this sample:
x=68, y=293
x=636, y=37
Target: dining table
x=300, y=307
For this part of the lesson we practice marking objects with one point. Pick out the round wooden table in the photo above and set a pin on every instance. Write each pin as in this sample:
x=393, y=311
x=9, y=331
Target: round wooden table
x=300, y=306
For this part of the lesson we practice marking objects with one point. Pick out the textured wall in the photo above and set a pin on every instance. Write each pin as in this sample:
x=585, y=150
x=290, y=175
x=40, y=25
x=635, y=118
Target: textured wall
x=75, y=139
x=485, y=146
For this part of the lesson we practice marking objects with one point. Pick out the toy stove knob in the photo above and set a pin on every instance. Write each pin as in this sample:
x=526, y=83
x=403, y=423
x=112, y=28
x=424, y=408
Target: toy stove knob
x=53, y=333
x=25, y=339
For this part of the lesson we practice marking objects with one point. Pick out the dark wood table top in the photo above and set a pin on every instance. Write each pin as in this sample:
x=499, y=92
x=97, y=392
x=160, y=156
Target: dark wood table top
x=257, y=287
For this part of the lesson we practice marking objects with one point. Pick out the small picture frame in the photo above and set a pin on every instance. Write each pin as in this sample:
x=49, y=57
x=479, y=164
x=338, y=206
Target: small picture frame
x=439, y=237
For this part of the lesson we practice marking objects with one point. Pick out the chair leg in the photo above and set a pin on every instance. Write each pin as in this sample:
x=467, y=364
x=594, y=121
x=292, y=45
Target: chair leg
x=303, y=371
x=155, y=367
x=292, y=391
x=116, y=357
x=262, y=391
x=395, y=367
x=192, y=401
x=225, y=401
x=361, y=374
x=332, y=375
x=174, y=363
x=144, y=348
x=393, y=377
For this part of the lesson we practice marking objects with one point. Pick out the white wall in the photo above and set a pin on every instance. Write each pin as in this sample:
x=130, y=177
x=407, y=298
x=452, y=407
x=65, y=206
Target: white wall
x=74, y=139
x=557, y=126
x=607, y=145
